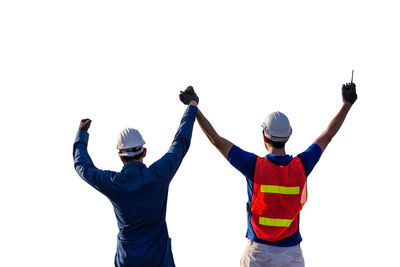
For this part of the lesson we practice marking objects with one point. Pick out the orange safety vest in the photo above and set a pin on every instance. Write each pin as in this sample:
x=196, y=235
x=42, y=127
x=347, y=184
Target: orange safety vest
x=279, y=193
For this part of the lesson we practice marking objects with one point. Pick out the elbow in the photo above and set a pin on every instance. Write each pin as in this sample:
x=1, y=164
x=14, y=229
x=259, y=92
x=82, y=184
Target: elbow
x=218, y=142
x=80, y=169
x=212, y=141
x=215, y=141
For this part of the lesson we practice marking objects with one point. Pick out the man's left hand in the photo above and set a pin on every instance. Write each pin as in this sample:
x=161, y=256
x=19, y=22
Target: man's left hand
x=349, y=93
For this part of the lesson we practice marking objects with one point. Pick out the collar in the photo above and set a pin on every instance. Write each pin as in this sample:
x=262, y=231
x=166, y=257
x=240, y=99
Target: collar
x=133, y=164
x=279, y=159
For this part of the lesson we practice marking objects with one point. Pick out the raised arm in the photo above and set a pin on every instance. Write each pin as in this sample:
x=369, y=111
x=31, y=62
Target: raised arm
x=99, y=179
x=223, y=145
x=349, y=97
x=167, y=166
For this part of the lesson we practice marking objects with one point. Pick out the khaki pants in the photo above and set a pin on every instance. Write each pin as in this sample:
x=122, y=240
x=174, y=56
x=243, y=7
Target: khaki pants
x=262, y=255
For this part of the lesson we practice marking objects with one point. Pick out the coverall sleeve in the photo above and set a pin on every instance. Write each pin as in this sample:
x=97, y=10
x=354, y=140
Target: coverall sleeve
x=167, y=166
x=99, y=179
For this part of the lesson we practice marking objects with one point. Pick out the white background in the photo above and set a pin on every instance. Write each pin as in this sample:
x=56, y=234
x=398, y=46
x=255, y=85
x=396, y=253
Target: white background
x=123, y=63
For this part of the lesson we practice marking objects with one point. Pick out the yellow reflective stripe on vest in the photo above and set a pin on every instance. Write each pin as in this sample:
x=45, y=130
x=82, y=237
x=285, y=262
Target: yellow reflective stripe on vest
x=275, y=222
x=286, y=190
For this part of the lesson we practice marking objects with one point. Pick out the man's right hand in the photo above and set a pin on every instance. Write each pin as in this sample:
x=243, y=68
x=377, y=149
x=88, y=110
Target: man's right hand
x=85, y=124
x=188, y=95
x=349, y=93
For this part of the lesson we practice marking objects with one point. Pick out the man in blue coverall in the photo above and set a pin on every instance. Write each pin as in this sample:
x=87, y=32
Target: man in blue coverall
x=286, y=251
x=138, y=193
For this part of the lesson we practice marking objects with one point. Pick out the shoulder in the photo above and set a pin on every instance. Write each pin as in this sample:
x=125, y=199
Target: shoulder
x=312, y=151
x=310, y=157
x=242, y=160
x=236, y=153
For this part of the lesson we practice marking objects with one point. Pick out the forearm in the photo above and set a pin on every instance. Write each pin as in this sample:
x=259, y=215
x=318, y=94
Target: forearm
x=183, y=135
x=82, y=160
x=207, y=128
x=326, y=137
x=170, y=162
x=338, y=120
x=219, y=142
x=185, y=129
x=84, y=166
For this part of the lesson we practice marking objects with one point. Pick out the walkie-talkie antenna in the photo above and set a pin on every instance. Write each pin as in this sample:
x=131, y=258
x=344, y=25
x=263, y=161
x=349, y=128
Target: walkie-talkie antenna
x=352, y=73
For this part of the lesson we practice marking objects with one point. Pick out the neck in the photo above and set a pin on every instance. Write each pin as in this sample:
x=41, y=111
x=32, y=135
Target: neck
x=278, y=151
x=275, y=151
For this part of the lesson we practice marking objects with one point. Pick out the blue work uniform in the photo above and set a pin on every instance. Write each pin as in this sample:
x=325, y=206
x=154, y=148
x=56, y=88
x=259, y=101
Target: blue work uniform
x=245, y=162
x=139, y=197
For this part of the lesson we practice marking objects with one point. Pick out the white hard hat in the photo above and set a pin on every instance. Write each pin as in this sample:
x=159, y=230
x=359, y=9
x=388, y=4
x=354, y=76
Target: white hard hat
x=277, y=127
x=130, y=142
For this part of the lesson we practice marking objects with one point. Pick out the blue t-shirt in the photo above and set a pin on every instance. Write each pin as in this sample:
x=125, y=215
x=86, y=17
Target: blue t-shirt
x=245, y=162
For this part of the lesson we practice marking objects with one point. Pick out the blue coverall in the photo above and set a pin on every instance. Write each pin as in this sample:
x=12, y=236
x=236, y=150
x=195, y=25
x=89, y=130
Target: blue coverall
x=139, y=197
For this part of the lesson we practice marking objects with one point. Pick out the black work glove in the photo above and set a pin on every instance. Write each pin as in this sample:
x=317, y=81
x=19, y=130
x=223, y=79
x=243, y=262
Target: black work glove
x=349, y=93
x=85, y=124
x=188, y=95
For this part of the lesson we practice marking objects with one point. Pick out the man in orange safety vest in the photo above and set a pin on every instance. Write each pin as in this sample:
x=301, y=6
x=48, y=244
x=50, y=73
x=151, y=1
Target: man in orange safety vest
x=276, y=184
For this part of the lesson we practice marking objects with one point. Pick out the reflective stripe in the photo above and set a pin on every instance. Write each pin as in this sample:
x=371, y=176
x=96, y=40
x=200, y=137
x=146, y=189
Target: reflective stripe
x=287, y=190
x=275, y=222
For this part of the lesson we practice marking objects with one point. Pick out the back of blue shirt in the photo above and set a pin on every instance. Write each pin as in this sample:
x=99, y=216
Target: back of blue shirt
x=139, y=197
x=245, y=162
